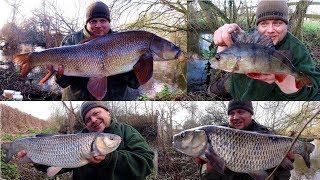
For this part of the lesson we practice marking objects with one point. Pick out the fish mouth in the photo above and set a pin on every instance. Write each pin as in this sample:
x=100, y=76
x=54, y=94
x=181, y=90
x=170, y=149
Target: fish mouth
x=180, y=56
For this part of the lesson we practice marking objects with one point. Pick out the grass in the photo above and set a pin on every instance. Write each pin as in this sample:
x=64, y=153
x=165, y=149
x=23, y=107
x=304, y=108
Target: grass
x=311, y=26
x=8, y=171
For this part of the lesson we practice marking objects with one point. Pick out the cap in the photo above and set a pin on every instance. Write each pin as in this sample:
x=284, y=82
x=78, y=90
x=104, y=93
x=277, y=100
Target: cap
x=267, y=10
x=97, y=10
x=88, y=105
x=246, y=105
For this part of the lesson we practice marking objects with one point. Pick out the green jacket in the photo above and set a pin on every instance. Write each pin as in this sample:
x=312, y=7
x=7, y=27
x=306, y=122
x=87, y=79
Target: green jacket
x=245, y=88
x=75, y=88
x=281, y=173
x=132, y=160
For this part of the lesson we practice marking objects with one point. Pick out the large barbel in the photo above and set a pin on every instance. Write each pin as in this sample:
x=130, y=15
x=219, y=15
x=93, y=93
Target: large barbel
x=240, y=151
x=63, y=151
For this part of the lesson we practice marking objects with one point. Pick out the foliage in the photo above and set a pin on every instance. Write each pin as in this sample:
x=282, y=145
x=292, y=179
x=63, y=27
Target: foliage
x=8, y=137
x=207, y=54
x=143, y=98
x=164, y=94
x=8, y=171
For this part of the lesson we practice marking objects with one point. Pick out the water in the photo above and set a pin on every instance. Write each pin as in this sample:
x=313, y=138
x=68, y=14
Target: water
x=301, y=172
x=196, y=75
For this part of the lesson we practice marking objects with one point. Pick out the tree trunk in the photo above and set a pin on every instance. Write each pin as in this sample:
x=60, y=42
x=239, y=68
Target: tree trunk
x=296, y=19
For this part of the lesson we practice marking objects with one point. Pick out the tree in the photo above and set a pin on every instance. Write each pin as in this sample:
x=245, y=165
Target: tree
x=296, y=19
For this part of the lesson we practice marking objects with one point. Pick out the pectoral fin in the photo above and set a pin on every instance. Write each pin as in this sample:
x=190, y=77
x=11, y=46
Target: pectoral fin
x=259, y=175
x=51, y=171
x=254, y=75
x=217, y=162
x=25, y=160
x=144, y=68
x=97, y=86
x=45, y=78
x=280, y=77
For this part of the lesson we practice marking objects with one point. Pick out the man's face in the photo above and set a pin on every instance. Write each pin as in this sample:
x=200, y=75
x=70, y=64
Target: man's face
x=98, y=26
x=239, y=119
x=97, y=119
x=276, y=29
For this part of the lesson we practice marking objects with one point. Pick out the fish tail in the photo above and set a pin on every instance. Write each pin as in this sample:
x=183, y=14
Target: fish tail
x=304, y=81
x=7, y=147
x=24, y=60
x=308, y=148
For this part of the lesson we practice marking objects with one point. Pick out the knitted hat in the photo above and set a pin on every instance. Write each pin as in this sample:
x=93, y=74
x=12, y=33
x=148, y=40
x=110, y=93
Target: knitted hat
x=88, y=105
x=246, y=105
x=97, y=10
x=267, y=10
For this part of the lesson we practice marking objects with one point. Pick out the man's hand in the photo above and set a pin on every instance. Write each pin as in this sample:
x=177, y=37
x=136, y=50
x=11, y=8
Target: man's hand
x=287, y=164
x=22, y=154
x=286, y=83
x=96, y=159
x=222, y=36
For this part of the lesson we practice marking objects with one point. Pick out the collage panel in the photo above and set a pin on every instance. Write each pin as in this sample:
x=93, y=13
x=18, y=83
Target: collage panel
x=88, y=140
x=253, y=50
x=239, y=140
x=93, y=50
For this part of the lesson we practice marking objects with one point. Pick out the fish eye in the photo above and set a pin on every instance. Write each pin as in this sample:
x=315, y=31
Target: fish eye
x=183, y=135
x=217, y=56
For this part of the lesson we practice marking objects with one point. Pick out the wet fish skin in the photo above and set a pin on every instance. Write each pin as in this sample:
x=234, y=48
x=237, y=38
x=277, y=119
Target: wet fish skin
x=241, y=151
x=103, y=56
x=254, y=53
x=64, y=151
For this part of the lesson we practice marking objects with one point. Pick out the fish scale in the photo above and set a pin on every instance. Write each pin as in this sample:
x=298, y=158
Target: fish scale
x=242, y=151
x=66, y=151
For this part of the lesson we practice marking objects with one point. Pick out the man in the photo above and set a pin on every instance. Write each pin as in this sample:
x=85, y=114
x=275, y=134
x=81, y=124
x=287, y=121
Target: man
x=240, y=117
x=133, y=159
x=75, y=88
x=272, y=21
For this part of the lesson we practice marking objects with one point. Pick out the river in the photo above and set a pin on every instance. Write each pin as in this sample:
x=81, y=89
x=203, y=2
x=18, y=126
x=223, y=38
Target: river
x=301, y=172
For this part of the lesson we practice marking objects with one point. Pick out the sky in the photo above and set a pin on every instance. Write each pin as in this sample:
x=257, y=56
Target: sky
x=43, y=109
x=70, y=10
x=39, y=109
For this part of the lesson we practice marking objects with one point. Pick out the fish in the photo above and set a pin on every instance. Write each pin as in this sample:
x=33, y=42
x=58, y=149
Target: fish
x=240, y=151
x=62, y=151
x=254, y=54
x=103, y=56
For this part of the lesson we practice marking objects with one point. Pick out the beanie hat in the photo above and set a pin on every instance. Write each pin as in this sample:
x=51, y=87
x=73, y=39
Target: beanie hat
x=246, y=105
x=97, y=10
x=88, y=105
x=267, y=10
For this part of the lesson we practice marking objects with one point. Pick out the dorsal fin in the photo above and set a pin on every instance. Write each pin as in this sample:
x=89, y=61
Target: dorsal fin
x=253, y=37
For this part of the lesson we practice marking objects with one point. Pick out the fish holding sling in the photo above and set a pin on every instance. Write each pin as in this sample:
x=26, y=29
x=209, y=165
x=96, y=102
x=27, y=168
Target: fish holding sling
x=240, y=151
x=254, y=54
x=104, y=56
x=62, y=151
